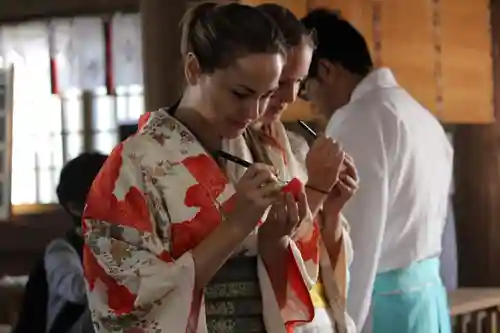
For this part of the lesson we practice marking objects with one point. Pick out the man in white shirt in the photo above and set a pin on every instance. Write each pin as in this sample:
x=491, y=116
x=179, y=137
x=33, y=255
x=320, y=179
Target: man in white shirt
x=404, y=161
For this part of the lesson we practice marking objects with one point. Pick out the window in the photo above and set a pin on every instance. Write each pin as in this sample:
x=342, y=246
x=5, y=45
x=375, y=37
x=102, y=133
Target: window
x=72, y=124
x=49, y=130
x=130, y=103
x=112, y=111
x=55, y=135
x=36, y=121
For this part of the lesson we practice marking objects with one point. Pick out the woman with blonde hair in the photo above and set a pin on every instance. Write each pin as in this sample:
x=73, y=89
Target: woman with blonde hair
x=290, y=155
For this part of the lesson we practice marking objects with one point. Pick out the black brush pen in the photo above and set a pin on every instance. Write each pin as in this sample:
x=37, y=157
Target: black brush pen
x=307, y=128
x=233, y=158
x=240, y=161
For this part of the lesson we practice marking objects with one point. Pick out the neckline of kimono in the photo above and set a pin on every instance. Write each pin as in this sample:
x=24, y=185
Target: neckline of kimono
x=213, y=154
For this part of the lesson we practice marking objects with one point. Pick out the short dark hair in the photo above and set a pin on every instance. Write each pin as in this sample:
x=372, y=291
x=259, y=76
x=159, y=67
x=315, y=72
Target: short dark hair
x=77, y=177
x=292, y=29
x=218, y=34
x=338, y=42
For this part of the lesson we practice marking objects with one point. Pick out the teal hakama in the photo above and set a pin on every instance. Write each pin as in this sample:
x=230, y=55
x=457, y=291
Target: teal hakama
x=411, y=300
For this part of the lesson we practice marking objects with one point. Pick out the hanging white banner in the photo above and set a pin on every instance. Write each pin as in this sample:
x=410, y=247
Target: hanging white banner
x=26, y=46
x=79, y=52
x=126, y=49
x=89, y=46
x=63, y=53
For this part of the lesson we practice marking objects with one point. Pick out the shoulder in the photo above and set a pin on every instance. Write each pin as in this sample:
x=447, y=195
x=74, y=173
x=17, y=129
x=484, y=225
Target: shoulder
x=57, y=249
x=376, y=107
x=368, y=128
x=156, y=139
x=58, y=245
x=365, y=120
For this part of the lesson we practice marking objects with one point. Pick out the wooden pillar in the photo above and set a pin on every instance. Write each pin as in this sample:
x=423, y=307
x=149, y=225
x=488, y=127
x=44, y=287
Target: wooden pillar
x=161, y=36
x=477, y=198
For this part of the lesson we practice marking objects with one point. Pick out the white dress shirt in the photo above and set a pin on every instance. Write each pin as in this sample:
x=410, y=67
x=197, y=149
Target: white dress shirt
x=404, y=160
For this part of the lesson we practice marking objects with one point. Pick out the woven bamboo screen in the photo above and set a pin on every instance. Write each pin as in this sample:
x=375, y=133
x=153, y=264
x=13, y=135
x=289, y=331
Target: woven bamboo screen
x=407, y=46
x=439, y=50
x=466, y=63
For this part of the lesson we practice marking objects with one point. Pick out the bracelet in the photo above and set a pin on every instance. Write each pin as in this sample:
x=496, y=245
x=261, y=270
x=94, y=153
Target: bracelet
x=317, y=189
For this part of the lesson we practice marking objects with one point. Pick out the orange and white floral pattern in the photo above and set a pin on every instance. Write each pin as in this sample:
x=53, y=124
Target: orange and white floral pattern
x=157, y=197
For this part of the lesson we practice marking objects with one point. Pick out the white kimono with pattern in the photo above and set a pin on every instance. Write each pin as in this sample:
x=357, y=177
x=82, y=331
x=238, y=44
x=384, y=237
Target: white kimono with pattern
x=157, y=197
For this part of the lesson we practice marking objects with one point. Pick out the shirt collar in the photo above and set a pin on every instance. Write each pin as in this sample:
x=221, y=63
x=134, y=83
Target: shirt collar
x=378, y=78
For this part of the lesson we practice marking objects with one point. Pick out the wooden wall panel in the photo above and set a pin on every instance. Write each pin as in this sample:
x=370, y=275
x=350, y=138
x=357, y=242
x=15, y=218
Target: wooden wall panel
x=298, y=7
x=298, y=110
x=439, y=50
x=407, y=47
x=467, y=74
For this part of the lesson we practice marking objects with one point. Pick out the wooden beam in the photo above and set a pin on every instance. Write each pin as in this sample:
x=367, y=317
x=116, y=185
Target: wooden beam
x=23, y=10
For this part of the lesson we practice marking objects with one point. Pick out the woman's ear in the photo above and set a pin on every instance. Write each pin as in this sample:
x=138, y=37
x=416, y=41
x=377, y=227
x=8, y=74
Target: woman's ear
x=192, y=69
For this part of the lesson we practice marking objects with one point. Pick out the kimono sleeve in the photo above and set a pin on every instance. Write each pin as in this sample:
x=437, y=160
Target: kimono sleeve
x=133, y=281
x=302, y=267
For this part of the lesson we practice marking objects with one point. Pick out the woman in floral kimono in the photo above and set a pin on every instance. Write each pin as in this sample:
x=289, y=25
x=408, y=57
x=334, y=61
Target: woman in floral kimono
x=175, y=245
x=287, y=152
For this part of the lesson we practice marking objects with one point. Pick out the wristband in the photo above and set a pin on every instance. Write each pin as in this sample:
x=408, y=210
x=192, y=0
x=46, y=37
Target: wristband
x=317, y=189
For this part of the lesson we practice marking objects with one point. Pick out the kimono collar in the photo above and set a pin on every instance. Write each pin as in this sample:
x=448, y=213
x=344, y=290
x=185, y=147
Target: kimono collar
x=378, y=78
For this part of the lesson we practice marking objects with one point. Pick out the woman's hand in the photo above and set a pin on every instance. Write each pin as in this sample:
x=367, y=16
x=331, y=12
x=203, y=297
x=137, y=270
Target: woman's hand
x=283, y=219
x=324, y=162
x=343, y=190
x=255, y=192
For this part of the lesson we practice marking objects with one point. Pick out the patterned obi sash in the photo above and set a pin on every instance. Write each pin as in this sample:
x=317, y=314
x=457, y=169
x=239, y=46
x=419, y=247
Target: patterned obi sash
x=233, y=300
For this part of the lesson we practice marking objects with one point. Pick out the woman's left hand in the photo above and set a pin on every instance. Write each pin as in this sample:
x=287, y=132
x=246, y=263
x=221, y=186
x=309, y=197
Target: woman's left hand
x=283, y=219
x=344, y=189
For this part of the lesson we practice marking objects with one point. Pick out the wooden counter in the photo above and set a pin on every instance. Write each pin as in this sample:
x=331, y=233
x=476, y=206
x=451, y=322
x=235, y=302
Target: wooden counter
x=467, y=300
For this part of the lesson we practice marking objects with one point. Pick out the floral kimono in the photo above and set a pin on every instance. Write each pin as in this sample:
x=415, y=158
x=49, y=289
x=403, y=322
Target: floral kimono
x=286, y=152
x=156, y=198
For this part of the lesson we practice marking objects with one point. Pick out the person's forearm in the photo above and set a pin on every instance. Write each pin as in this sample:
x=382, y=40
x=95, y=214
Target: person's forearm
x=331, y=234
x=315, y=199
x=274, y=256
x=215, y=249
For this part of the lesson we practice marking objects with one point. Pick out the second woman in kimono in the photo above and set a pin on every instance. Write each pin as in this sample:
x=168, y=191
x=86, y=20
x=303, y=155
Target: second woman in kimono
x=175, y=245
x=290, y=153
